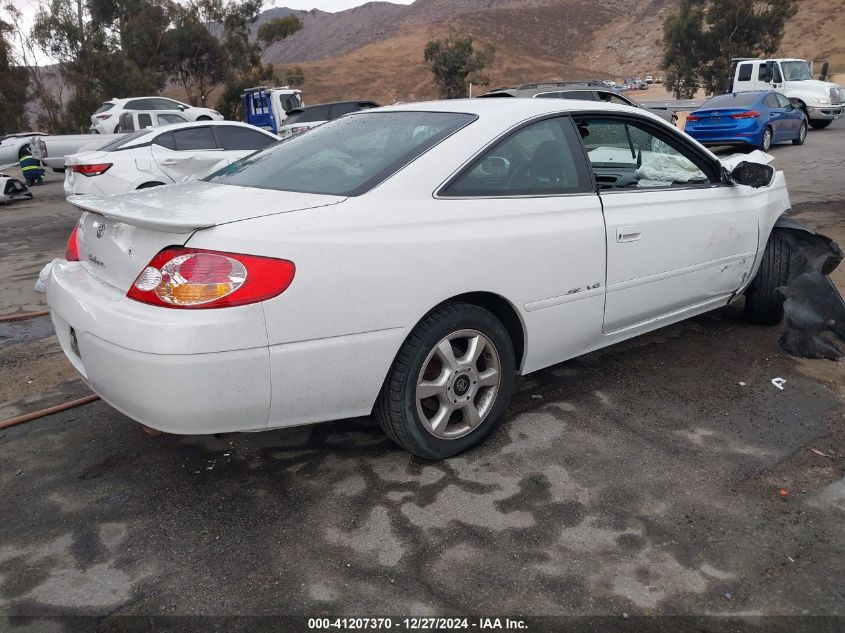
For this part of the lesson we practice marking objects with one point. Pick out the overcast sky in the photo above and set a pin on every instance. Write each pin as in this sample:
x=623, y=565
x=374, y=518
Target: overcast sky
x=29, y=7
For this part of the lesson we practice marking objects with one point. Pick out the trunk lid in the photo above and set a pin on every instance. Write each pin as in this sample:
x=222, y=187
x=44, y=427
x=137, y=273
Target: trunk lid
x=118, y=235
x=719, y=118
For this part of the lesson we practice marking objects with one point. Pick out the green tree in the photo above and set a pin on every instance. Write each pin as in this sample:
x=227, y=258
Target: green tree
x=455, y=63
x=703, y=37
x=278, y=29
x=14, y=83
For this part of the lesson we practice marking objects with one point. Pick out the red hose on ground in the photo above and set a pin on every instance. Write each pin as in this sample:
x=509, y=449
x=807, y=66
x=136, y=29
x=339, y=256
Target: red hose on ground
x=5, y=424
x=23, y=315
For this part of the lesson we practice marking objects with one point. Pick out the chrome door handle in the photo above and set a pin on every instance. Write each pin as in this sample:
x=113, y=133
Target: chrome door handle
x=628, y=234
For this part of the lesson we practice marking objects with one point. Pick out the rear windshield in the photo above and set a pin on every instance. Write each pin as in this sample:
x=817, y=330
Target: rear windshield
x=123, y=140
x=309, y=115
x=346, y=157
x=106, y=106
x=738, y=100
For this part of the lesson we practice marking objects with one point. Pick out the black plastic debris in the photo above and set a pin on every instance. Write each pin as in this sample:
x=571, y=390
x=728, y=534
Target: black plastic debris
x=814, y=309
x=11, y=189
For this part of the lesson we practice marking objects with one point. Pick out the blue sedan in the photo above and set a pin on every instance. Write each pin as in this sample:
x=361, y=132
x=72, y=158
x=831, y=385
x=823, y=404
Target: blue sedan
x=755, y=119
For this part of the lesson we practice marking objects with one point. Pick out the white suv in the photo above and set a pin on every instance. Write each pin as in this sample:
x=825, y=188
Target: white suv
x=106, y=120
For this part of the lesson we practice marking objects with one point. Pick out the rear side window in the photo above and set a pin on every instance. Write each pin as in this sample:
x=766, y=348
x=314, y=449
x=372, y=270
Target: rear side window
x=194, y=138
x=233, y=137
x=345, y=157
x=140, y=104
x=165, y=140
x=745, y=72
x=164, y=104
x=543, y=158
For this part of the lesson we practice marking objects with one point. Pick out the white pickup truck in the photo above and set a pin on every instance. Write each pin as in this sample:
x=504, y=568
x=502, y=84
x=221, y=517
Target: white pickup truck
x=822, y=101
x=53, y=150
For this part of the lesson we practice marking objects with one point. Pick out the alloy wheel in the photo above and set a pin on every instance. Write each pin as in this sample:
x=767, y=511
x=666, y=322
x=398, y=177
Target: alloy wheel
x=457, y=384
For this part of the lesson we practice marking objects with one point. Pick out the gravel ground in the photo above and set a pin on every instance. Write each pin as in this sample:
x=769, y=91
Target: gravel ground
x=666, y=475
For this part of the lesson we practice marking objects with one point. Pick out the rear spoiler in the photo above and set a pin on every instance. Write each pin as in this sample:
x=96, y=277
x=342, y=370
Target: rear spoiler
x=142, y=215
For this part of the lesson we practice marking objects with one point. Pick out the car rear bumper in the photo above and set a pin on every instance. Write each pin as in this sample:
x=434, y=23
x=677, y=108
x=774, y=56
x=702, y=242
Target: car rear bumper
x=179, y=371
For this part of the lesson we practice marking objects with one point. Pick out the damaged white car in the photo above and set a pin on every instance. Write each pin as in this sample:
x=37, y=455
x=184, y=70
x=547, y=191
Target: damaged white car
x=160, y=156
x=409, y=261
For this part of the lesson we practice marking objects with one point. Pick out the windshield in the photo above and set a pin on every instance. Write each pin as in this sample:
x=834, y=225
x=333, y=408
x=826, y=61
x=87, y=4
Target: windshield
x=796, y=71
x=346, y=157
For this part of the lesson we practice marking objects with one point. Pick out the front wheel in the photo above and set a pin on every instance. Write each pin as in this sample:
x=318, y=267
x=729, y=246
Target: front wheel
x=450, y=383
x=802, y=134
x=820, y=124
x=766, y=141
x=763, y=303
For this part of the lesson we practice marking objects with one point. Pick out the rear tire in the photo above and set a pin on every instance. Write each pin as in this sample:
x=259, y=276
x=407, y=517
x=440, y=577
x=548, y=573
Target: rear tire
x=463, y=357
x=763, y=303
x=149, y=185
x=766, y=140
x=802, y=134
x=819, y=125
x=204, y=118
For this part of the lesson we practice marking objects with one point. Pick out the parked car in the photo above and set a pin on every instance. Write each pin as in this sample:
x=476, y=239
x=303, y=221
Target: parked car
x=160, y=156
x=303, y=119
x=53, y=151
x=589, y=91
x=649, y=79
x=13, y=146
x=107, y=117
x=408, y=261
x=750, y=119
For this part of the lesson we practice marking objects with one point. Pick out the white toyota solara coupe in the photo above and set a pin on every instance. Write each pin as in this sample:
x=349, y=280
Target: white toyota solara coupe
x=408, y=261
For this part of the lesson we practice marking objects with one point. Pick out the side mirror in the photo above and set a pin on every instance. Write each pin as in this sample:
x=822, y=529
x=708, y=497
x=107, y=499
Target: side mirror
x=751, y=175
x=182, y=108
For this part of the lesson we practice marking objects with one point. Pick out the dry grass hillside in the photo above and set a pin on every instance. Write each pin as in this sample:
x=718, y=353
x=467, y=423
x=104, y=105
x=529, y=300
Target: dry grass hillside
x=376, y=50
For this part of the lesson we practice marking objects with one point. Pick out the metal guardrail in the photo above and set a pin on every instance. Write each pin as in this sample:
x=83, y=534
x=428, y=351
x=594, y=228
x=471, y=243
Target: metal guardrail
x=674, y=105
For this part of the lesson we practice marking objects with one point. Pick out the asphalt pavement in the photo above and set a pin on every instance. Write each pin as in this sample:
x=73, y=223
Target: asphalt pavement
x=667, y=475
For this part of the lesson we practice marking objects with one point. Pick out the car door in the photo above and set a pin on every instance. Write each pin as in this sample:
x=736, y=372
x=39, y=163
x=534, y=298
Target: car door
x=678, y=240
x=777, y=118
x=188, y=153
x=532, y=190
x=792, y=116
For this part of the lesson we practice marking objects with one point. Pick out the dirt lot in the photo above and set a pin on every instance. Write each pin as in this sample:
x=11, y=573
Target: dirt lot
x=643, y=479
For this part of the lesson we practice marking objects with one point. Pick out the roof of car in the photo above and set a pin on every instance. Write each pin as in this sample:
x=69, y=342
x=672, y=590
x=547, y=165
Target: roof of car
x=155, y=131
x=510, y=107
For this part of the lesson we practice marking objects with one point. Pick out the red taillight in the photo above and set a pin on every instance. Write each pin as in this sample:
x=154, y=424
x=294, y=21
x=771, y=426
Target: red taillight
x=91, y=170
x=751, y=114
x=102, y=117
x=72, y=251
x=193, y=278
x=693, y=117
